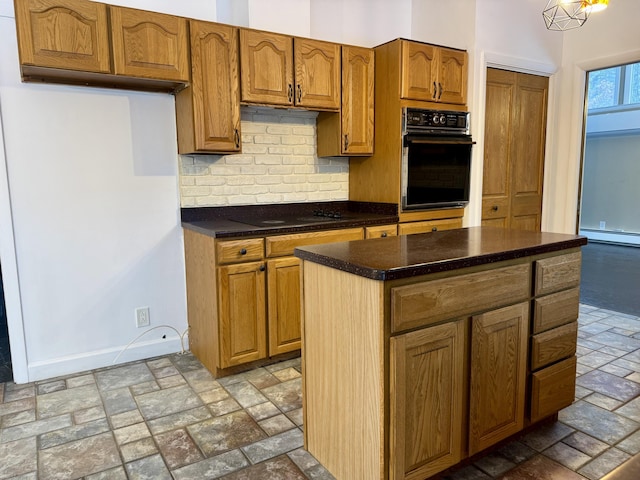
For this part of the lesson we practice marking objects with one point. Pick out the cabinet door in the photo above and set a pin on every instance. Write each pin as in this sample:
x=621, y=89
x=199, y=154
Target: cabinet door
x=452, y=76
x=266, y=67
x=242, y=310
x=427, y=383
x=498, y=374
x=211, y=122
x=283, y=282
x=149, y=44
x=358, y=76
x=419, y=71
x=67, y=34
x=317, y=66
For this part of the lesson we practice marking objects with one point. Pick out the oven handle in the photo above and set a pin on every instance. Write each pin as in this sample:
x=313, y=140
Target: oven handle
x=428, y=139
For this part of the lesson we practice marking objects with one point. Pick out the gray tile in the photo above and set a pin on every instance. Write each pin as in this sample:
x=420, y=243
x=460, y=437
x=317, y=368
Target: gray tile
x=167, y=401
x=89, y=414
x=35, y=428
x=296, y=416
x=287, y=395
x=546, y=435
x=168, y=382
x=631, y=410
x=303, y=459
x=81, y=380
x=131, y=433
x=274, y=446
x=516, y=452
x=79, y=458
x=263, y=410
x=278, y=424
x=213, y=396
x=178, y=420
x=17, y=406
x=609, y=385
x=228, y=432
x=126, y=418
x=615, y=370
x=245, y=394
x=261, y=378
x=167, y=371
x=494, y=465
x=125, y=376
x=631, y=444
x=159, y=363
x=223, y=407
x=603, y=464
x=594, y=328
x=178, y=448
x=138, y=449
x=623, y=363
x=468, y=473
x=582, y=392
x=75, y=432
x=185, y=362
x=633, y=356
x=145, y=387
x=18, y=457
x=19, y=418
x=596, y=359
x=279, y=468
x=117, y=473
x=583, y=369
x=200, y=380
x=66, y=401
x=287, y=374
x=148, y=468
x=51, y=387
x=118, y=401
x=214, y=467
x=294, y=363
x=19, y=392
x=603, y=401
x=567, y=456
x=597, y=422
x=541, y=468
x=615, y=340
x=585, y=443
x=613, y=351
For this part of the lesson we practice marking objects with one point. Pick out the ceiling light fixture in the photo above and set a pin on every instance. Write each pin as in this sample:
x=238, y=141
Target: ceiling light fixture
x=566, y=14
x=594, y=5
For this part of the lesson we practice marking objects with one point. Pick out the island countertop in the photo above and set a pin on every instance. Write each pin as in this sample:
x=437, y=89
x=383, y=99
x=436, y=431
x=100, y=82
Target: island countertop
x=406, y=256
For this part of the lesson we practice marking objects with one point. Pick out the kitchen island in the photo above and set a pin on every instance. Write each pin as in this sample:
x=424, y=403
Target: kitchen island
x=420, y=351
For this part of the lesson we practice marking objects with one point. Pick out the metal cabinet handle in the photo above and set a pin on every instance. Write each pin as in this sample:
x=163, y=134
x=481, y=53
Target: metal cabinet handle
x=299, y=94
x=494, y=208
x=435, y=90
x=434, y=229
x=236, y=138
x=384, y=234
x=262, y=268
x=290, y=93
x=243, y=251
x=346, y=142
x=439, y=90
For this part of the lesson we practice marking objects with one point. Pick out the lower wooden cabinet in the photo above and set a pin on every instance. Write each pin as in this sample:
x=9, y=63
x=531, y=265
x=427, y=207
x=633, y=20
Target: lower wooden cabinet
x=283, y=287
x=553, y=388
x=427, y=392
x=409, y=228
x=498, y=375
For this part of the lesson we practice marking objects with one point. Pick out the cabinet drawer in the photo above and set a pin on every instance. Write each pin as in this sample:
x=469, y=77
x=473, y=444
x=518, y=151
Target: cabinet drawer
x=448, y=298
x=281, y=245
x=426, y=226
x=553, y=345
x=381, y=231
x=556, y=309
x=553, y=389
x=233, y=251
x=557, y=273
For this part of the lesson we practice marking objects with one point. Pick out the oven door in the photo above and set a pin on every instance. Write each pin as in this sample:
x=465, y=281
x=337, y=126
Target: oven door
x=435, y=171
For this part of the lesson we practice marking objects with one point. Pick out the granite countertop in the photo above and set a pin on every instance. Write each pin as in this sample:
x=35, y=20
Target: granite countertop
x=411, y=255
x=255, y=220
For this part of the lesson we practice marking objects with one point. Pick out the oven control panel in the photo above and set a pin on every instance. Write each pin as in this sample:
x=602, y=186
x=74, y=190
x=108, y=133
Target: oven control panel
x=419, y=119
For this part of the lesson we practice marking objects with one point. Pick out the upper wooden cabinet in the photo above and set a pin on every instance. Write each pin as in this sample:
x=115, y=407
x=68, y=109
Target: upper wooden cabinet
x=278, y=70
x=208, y=110
x=433, y=74
x=65, y=34
x=350, y=132
x=149, y=44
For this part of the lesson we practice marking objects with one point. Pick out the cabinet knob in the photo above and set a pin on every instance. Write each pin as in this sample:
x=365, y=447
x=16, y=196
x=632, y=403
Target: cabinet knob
x=262, y=268
x=494, y=208
x=384, y=234
x=243, y=251
x=290, y=93
x=434, y=229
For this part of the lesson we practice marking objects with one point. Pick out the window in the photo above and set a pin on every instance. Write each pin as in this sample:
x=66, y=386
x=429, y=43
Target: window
x=614, y=87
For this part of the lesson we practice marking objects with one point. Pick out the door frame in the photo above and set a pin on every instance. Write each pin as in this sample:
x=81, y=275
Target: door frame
x=488, y=59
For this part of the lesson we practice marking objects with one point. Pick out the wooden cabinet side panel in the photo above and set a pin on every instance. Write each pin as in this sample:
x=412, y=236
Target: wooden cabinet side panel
x=266, y=67
x=149, y=44
x=344, y=373
x=317, y=74
x=202, y=304
x=65, y=34
x=498, y=375
x=426, y=395
x=216, y=87
x=241, y=294
x=284, y=305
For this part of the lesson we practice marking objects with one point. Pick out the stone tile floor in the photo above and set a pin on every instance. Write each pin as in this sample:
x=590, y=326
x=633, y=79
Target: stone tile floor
x=167, y=418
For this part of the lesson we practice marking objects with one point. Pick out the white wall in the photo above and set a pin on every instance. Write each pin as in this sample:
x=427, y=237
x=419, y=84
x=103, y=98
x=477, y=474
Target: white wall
x=93, y=191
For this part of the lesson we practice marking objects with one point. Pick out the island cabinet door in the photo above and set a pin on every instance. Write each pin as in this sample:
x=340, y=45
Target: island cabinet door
x=427, y=394
x=498, y=374
x=242, y=310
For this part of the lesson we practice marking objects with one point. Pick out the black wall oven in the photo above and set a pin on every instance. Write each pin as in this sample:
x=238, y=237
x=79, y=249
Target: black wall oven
x=436, y=159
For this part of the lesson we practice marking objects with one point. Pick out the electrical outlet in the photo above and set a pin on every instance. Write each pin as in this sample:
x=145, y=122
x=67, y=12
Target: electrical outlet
x=142, y=317
x=603, y=225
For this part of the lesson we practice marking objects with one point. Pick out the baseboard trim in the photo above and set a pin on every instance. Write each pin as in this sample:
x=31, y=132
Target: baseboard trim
x=71, y=364
x=611, y=237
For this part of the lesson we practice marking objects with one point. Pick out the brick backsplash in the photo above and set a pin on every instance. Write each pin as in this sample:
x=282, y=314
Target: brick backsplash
x=278, y=164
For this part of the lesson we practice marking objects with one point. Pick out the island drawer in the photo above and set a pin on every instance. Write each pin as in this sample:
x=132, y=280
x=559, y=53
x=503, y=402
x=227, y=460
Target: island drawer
x=556, y=309
x=553, y=345
x=234, y=251
x=552, y=389
x=557, y=273
x=280, y=245
x=429, y=302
